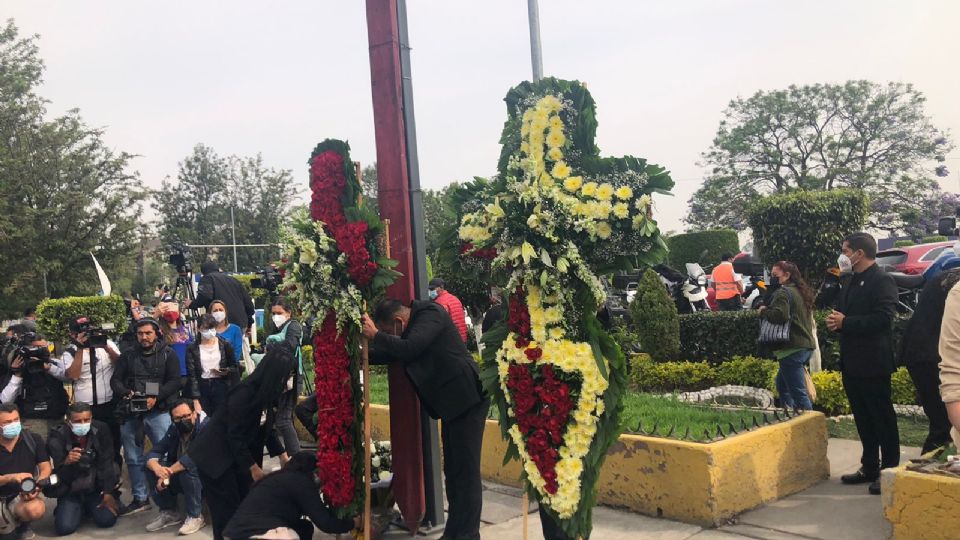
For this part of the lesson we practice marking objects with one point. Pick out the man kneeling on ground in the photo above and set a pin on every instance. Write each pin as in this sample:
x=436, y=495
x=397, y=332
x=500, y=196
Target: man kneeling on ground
x=275, y=504
x=22, y=456
x=170, y=471
x=82, y=453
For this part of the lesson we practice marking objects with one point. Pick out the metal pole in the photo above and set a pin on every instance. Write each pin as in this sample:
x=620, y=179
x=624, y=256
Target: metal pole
x=233, y=232
x=536, y=54
x=432, y=477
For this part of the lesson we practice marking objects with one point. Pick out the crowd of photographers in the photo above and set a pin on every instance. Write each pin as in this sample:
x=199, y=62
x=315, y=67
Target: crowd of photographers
x=174, y=382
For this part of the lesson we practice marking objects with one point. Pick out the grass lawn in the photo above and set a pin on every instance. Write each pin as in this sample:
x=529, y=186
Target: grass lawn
x=913, y=430
x=639, y=407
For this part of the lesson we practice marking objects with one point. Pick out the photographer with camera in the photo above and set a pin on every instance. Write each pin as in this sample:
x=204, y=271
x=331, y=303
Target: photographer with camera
x=128, y=340
x=82, y=453
x=215, y=285
x=24, y=470
x=147, y=379
x=36, y=385
x=170, y=471
x=89, y=363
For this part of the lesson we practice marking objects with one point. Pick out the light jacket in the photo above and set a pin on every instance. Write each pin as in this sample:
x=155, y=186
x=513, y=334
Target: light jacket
x=453, y=306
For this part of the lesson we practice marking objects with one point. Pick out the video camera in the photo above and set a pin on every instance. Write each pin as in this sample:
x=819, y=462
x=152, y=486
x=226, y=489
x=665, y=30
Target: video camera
x=269, y=279
x=180, y=257
x=96, y=335
x=137, y=403
x=34, y=357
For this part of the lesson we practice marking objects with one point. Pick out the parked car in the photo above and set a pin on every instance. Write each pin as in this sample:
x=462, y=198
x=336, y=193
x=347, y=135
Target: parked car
x=911, y=259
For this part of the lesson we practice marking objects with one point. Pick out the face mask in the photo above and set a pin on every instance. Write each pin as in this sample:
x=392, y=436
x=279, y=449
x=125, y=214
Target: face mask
x=156, y=294
x=774, y=281
x=433, y=294
x=290, y=383
x=80, y=430
x=219, y=316
x=185, y=426
x=12, y=430
x=844, y=262
x=171, y=316
x=278, y=320
x=208, y=334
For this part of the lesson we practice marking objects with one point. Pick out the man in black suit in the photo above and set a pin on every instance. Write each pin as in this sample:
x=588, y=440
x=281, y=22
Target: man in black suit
x=215, y=285
x=863, y=317
x=446, y=378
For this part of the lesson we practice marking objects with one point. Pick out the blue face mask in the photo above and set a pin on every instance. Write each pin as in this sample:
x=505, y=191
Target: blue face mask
x=80, y=430
x=433, y=294
x=12, y=430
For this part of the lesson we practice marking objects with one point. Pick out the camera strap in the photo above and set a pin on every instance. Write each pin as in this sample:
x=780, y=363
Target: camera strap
x=93, y=374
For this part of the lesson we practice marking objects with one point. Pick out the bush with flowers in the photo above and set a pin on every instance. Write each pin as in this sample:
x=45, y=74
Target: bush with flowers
x=333, y=264
x=555, y=218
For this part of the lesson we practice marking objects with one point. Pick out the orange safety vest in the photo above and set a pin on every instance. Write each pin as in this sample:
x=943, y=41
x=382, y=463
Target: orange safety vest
x=724, y=282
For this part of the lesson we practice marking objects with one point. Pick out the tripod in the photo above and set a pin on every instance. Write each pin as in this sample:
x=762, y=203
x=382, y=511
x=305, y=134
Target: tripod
x=185, y=281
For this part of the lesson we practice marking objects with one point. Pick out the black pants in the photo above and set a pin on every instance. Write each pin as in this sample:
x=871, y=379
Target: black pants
x=730, y=304
x=306, y=411
x=876, y=421
x=926, y=377
x=223, y=496
x=462, y=439
x=104, y=412
x=551, y=530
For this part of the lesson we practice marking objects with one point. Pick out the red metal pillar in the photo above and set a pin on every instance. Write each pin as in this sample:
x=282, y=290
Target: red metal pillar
x=394, y=200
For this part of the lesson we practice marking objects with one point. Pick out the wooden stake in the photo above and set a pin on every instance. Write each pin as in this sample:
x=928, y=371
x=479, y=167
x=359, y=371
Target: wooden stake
x=526, y=512
x=367, y=449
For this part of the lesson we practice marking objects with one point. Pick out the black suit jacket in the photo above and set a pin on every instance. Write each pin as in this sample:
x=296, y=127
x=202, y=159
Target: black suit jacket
x=436, y=360
x=869, y=302
x=220, y=286
x=234, y=436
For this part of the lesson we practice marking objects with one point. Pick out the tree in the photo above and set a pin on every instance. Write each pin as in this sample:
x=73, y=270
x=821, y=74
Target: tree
x=195, y=208
x=655, y=317
x=822, y=137
x=63, y=192
x=370, y=186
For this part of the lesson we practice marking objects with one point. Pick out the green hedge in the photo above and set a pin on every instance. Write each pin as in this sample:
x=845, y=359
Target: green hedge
x=715, y=336
x=259, y=295
x=687, y=247
x=904, y=243
x=655, y=318
x=806, y=227
x=54, y=314
x=932, y=239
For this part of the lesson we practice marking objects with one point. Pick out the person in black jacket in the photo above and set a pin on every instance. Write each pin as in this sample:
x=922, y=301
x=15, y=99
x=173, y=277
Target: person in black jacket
x=863, y=317
x=278, y=501
x=229, y=451
x=423, y=338
x=211, y=368
x=289, y=333
x=215, y=285
x=82, y=452
x=151, y=370
x=920, y=352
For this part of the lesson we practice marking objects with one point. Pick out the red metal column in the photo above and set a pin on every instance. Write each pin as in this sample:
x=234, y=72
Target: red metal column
x=394, y=200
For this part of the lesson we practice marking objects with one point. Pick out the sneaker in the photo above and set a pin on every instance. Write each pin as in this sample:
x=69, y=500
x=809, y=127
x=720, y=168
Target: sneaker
x=192, y=525
x=860, y=477
x=134, y=507
x=166, y=518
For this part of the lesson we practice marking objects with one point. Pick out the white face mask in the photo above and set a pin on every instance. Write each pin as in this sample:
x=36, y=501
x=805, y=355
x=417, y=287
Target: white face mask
x=156, y=294
x=290, y=383
x=209, y=333
x=219, y=316
x=845, y=264
x=278, y=320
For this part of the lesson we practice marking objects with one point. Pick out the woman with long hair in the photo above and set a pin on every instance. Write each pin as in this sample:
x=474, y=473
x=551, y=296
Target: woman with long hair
x=229, y=452
x=793, y=303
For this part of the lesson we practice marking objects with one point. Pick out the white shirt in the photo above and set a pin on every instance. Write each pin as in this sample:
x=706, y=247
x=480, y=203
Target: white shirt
x=83, y=387
x=210, y=360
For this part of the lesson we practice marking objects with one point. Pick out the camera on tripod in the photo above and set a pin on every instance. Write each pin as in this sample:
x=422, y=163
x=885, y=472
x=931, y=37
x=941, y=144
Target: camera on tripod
x=97, y=336
x=180, y=257
x=269, y=279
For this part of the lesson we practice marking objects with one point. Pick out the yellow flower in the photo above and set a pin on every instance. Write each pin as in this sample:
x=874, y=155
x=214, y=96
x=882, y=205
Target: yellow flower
x=561, y=170
x=556, y=139
x=555, y=154
x=604, y=230
x=589, y=189
x=604, y=208
x=572, y=183
x=525, y=147
x=638, y=221
x=555, y=122
x=546, y=181
x=604, y=192
x=556, y=333
x=549, y=103
x=621, y=210
x=624, y=192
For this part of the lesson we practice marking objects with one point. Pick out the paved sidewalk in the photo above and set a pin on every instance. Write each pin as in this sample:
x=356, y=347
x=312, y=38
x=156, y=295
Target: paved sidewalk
x=826, y=511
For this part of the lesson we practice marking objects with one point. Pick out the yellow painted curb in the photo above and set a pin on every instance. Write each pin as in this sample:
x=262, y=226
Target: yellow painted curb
x=919, y=505
x=705, y=484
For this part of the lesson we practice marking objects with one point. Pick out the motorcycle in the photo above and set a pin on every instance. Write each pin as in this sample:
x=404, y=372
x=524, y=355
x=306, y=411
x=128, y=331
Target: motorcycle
x=908, y=291
x=753, y=292
x=687, y=293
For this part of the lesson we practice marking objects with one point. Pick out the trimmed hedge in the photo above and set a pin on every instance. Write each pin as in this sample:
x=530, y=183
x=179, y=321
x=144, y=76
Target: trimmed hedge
x=54, y=314
x=655, y=318
x=933, y=239
x=806, y=227
x=715, y=336
x=687, y=247
x=904, y=243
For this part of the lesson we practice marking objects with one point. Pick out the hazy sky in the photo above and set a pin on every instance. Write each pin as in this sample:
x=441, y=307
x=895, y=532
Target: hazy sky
x=278, y=77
